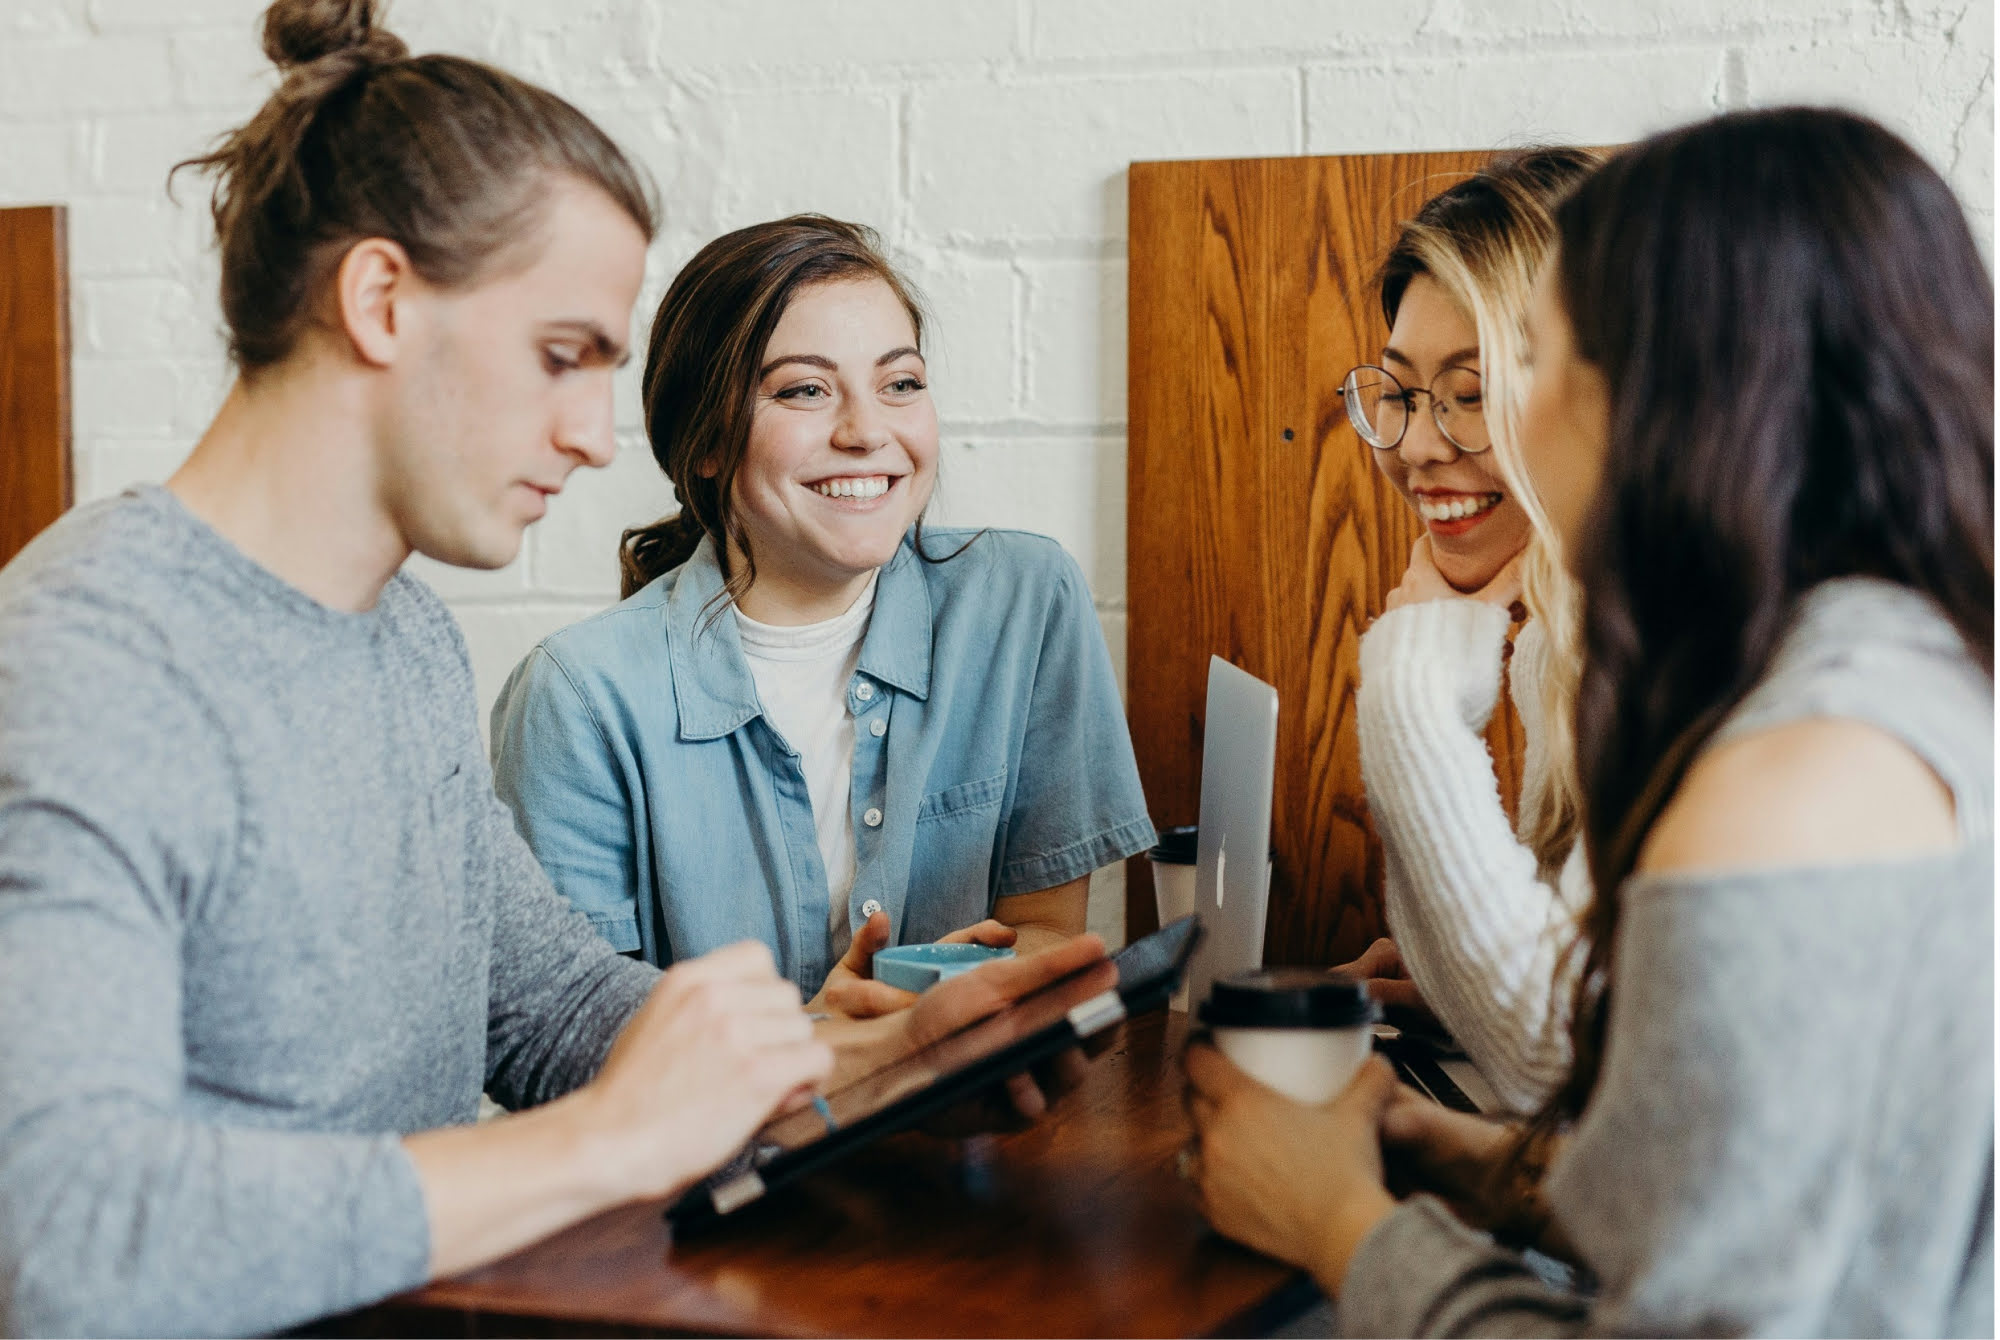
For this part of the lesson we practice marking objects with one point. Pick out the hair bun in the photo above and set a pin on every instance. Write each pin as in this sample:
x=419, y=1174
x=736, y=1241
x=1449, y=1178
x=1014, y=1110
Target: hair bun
x=298, y=32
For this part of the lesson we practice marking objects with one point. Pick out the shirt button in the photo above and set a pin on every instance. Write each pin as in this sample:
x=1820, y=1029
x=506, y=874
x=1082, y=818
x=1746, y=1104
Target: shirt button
x=873, y=818
x=870, y=908
x=864, y=690
x=878, y=728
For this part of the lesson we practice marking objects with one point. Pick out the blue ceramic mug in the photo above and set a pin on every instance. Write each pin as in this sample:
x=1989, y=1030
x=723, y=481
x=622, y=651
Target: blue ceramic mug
x=919, y=967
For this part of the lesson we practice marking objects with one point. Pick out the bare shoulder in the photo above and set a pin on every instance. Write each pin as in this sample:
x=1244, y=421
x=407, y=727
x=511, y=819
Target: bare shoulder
x=1820, y=791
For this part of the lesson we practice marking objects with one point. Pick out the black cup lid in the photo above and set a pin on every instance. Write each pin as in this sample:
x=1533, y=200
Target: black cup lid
x=1288, y=998
x=1181, y=846
x=1177, y=846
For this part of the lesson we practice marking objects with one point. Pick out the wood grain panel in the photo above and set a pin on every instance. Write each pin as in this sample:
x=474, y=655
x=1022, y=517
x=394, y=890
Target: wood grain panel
x=35, y=480
x=1259, y=529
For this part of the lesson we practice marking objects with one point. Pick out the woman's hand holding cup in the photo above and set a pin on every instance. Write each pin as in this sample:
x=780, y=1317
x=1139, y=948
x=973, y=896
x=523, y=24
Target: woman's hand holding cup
x=1297, y=1181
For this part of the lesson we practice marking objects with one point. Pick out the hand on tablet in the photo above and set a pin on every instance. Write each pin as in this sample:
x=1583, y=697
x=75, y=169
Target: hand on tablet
x=966, y=999
x=719, y=1045
x=862, y=1046
x=851, y=988
x=971, y=996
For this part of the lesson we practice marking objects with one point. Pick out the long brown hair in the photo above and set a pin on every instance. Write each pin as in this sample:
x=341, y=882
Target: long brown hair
x=1483, y=240
x=446, y=157
x=702, y=361
x=1797, y=331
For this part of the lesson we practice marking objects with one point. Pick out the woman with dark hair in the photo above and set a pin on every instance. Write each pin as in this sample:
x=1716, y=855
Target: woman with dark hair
x=811, y=721
x=1761, y=418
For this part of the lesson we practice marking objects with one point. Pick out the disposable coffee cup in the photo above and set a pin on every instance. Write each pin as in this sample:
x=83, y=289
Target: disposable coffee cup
x=1303, y=1031
x=1173, y=885
x=1173, y=860
x=1173, y=872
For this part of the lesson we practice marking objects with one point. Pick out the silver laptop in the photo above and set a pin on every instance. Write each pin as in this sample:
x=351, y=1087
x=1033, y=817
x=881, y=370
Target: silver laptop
x=1232, y=854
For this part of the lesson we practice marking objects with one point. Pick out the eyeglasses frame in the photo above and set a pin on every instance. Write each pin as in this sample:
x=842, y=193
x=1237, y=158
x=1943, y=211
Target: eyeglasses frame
x=1408, y=413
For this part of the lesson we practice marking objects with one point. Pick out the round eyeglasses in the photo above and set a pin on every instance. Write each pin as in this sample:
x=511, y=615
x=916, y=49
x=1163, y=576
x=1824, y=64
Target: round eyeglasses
x=1379, y=407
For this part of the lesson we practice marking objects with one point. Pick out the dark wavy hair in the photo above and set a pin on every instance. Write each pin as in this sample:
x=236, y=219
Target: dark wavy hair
x=700, y=383
x=1797, y=333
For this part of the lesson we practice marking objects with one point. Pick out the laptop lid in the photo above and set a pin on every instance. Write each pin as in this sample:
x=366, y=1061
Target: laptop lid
x=1232, y=852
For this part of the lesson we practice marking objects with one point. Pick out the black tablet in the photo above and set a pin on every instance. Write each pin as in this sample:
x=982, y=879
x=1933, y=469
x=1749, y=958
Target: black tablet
x=911, y=1088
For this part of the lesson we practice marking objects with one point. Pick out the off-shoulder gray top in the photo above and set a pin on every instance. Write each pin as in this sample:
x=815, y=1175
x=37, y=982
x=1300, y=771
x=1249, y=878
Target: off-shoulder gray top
x=1793, y=1132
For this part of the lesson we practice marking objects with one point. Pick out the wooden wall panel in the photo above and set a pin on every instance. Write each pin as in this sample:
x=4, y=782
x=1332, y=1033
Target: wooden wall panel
x=35, y=473
x=1258, y=528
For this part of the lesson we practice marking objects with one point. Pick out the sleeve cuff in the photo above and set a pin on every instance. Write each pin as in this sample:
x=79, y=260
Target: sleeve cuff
x=1423, y=1272
x=1045, y=870
x=1431, y=633
x=620, y=928
x=392, y=1228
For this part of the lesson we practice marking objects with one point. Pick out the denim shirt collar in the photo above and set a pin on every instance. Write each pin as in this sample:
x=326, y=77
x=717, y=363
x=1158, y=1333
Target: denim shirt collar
x=713, y=690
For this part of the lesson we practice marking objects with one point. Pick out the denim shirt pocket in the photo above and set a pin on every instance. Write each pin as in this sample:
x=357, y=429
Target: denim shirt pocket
x=967, y=798
x=952, y=858
x=620, y=928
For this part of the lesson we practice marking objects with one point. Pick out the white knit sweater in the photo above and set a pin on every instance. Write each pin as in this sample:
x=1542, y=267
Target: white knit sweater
x=1481, y=936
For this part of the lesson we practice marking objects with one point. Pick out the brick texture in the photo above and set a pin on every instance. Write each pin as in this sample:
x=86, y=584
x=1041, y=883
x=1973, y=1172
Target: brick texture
x=986, y=141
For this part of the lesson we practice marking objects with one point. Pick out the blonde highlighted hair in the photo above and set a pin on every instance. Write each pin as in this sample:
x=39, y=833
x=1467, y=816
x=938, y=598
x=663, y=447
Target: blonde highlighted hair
x=1483, y=240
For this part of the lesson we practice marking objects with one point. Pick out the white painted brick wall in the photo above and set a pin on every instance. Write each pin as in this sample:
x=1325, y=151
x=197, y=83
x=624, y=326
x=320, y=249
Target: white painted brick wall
x=986, y=139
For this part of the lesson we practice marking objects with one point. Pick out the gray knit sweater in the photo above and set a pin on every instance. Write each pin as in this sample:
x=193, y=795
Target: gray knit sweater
x=260, y=914
x=1793, y=1132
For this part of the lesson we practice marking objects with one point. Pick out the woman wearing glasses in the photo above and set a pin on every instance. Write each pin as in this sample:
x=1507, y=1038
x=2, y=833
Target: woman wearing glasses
x=1479, y=909
x=1762, y=420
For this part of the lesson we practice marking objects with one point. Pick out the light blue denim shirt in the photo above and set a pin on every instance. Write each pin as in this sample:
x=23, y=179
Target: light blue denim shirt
x=988, y=733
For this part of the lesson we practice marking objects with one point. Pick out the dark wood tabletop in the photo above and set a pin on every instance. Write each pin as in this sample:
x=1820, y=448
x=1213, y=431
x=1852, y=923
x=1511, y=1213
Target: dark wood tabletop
x=1076, y=1226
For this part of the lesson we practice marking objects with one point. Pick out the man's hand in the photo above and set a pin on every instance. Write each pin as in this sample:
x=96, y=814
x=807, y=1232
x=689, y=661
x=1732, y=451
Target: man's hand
x=971, y=996
x=851, y=988
x=719, y=1045
x=865, y=1045
x=1422, y=581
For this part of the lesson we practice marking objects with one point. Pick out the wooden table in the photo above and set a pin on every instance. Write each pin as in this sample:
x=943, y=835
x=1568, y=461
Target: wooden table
x=1077, y=1226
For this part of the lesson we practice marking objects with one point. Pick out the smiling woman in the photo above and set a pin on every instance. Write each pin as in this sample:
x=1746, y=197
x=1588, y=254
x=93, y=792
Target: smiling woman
x=1479, y=907
x=1423, y=413
x=842, y=451
x=810, y=721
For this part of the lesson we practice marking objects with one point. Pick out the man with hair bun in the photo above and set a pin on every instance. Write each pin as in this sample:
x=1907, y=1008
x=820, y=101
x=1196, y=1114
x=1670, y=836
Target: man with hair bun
x=265, y=932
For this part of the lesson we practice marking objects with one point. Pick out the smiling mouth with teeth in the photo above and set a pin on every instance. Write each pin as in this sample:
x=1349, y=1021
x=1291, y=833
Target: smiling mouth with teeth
x=1456, y=509
x=865, y=486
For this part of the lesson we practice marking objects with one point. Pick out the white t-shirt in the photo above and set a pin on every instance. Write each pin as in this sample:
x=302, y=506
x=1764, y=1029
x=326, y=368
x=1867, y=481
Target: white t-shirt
x=802, y=674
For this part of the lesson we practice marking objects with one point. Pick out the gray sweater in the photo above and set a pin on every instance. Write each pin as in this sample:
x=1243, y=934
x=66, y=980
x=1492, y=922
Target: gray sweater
x=1793, y=1132
x=260, y=915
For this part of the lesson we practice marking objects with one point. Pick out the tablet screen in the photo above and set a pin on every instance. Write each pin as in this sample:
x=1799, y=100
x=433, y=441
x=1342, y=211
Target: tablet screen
x=1154, y=961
